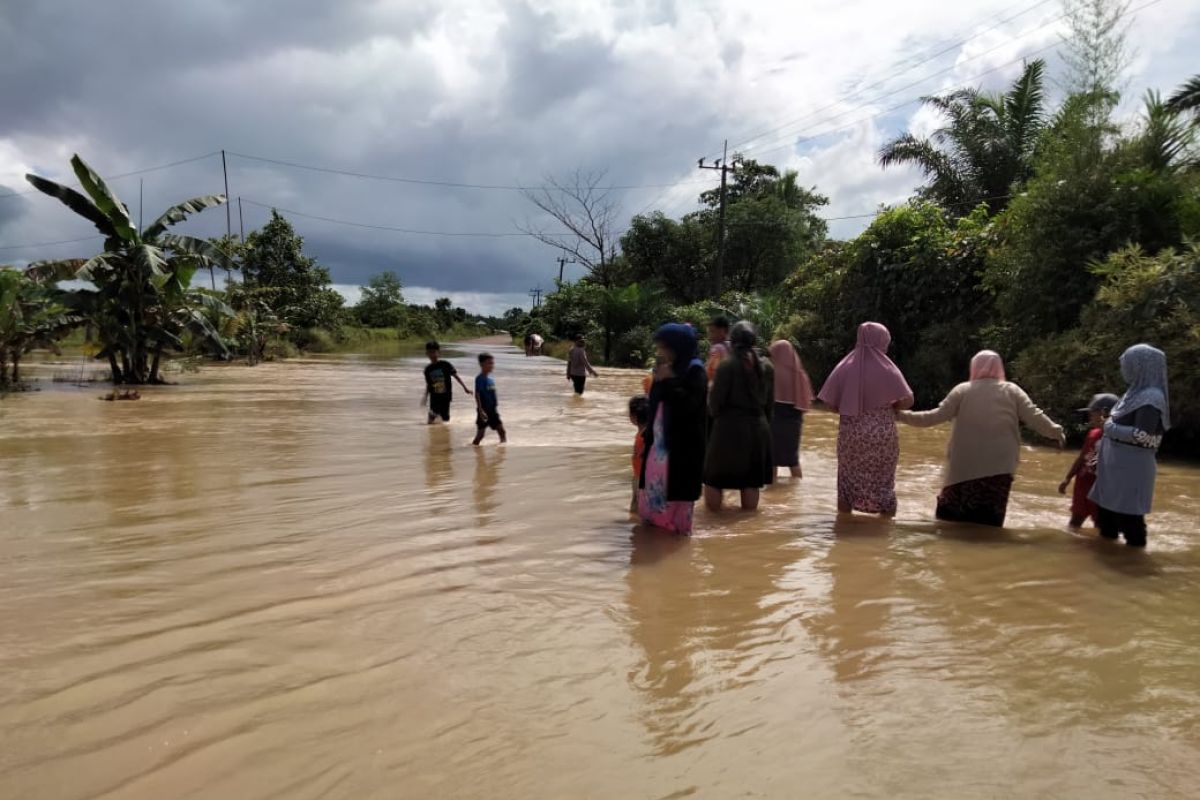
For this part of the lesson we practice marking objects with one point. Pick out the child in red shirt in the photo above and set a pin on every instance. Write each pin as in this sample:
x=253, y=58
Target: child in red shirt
x=639, y=410
x=1084, y=468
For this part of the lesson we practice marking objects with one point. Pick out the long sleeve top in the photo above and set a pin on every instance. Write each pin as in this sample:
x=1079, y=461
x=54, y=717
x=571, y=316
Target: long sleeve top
x=986, y=439
x=1126, y=471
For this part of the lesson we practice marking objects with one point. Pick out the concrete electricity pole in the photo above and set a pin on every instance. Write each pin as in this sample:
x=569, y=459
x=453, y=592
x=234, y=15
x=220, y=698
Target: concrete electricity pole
x=725, y=167
x=563, y=261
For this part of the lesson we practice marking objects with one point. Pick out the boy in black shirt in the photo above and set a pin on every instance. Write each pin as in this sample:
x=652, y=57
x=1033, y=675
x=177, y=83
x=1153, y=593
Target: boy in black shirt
x=438, y=389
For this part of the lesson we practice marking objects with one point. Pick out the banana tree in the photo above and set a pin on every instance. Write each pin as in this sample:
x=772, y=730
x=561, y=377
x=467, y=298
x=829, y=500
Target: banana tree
x=142, y=298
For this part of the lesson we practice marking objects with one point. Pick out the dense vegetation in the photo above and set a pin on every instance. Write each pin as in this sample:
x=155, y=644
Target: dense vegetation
x=1055, y=235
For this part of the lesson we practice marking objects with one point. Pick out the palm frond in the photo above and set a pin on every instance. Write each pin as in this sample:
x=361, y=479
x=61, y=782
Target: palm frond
x=1187, y=97
x=76, y=202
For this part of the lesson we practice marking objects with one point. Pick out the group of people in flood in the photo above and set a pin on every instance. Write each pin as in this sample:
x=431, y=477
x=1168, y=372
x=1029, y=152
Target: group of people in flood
x=731, y=423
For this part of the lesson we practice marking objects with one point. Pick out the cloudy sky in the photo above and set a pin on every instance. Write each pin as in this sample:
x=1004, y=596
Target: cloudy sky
x=490, y=92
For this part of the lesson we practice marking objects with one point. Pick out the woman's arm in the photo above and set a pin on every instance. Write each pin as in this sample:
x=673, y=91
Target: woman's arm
x=1035, y=419
x=1146, y=430
x=946, y=411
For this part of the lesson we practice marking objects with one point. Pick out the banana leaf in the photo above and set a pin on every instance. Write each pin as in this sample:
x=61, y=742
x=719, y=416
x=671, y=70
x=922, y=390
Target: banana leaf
x=105, y=200
x=179, y=213
x=198, y=247
x=77, y=203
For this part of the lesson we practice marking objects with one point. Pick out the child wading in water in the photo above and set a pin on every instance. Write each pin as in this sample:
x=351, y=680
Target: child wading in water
x=438, y=390
x=486, y=403
x=578, y=366
x=639, y=415
x=1084, y=468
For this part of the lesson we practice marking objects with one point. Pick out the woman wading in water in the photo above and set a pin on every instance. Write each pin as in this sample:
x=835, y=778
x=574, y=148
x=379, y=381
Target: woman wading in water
x=793, y=398
x=739, y=403
x=985, y=445
x=1127, y=467
x=674, y=441
x=866, y=389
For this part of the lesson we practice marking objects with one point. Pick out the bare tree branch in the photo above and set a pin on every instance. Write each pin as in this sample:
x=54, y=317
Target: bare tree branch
x=581, y=205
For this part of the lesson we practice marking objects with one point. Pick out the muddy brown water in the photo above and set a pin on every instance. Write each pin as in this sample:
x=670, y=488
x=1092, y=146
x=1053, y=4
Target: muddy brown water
x=279, y=583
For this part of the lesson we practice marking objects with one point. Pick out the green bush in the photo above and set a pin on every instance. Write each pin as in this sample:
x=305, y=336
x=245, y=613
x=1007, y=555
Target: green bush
x=1143, y=298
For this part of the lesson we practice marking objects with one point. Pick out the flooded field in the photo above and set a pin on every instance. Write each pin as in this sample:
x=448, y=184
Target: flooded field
x=280, y=583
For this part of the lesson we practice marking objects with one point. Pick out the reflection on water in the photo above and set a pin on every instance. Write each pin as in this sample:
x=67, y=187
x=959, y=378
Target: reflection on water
x=279, y=582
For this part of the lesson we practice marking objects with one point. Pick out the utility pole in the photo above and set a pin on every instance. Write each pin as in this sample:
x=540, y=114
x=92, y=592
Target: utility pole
x=563, y=261
x=141, y=186
x=725, y=167
x=536, y=294
x=228, y=218
x=241, y=221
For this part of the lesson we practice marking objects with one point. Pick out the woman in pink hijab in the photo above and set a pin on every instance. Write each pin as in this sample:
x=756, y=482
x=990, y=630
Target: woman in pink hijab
x=985, y=445
x=866, y=389
x=793, y=397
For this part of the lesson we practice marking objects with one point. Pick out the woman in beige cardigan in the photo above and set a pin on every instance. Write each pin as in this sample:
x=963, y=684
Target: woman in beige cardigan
x=985, y=444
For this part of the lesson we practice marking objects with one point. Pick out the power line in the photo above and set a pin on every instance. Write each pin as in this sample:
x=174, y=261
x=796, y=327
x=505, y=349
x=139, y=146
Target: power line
x=431, y=182
x=962, y=85
x=955, y=46
x=129, y=174
x=919, y=81
x=478, y=234
x=49, y=244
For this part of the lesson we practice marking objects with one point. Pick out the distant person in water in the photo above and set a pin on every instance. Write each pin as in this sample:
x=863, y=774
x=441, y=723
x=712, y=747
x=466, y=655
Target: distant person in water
x=1083, y=470
x=673, y=460
x=866, y=389
x=988, y=411
x=718, y=346
x=793, y=399
x=578, y=366
x=639, y=410
x=487, y=404
x=1127, y=467
x=740, y=403
x=438, y=390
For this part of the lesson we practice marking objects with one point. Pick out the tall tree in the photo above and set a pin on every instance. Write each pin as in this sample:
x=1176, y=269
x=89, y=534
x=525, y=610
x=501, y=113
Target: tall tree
x=585, y=213
x=1096, y=54
x=299, y=291
x=382, y=303
x=985, y=149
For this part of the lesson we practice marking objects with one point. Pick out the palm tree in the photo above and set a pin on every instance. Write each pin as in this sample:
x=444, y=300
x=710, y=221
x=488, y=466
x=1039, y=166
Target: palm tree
x=1187, y=98
x=985, y=149
x=143, y=299
x=1166, y=141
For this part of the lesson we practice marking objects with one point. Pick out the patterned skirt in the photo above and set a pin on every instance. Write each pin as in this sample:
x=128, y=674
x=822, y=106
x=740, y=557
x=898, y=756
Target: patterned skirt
x=653, y=506
x=983, y=501
x=868, y=450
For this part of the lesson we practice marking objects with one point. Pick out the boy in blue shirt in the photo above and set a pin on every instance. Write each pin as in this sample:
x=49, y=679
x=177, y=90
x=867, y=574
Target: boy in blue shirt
x=486, y=402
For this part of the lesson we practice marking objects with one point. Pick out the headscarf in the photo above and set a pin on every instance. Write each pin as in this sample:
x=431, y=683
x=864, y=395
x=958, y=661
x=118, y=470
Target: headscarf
x=792, y=385
x=866, y=379
x=1144, y=368
x=680, y=339
x=987, y=365
x=743, y=337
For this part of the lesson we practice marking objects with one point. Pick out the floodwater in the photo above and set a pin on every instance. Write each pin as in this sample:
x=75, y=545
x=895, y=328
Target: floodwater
x=279, y=583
